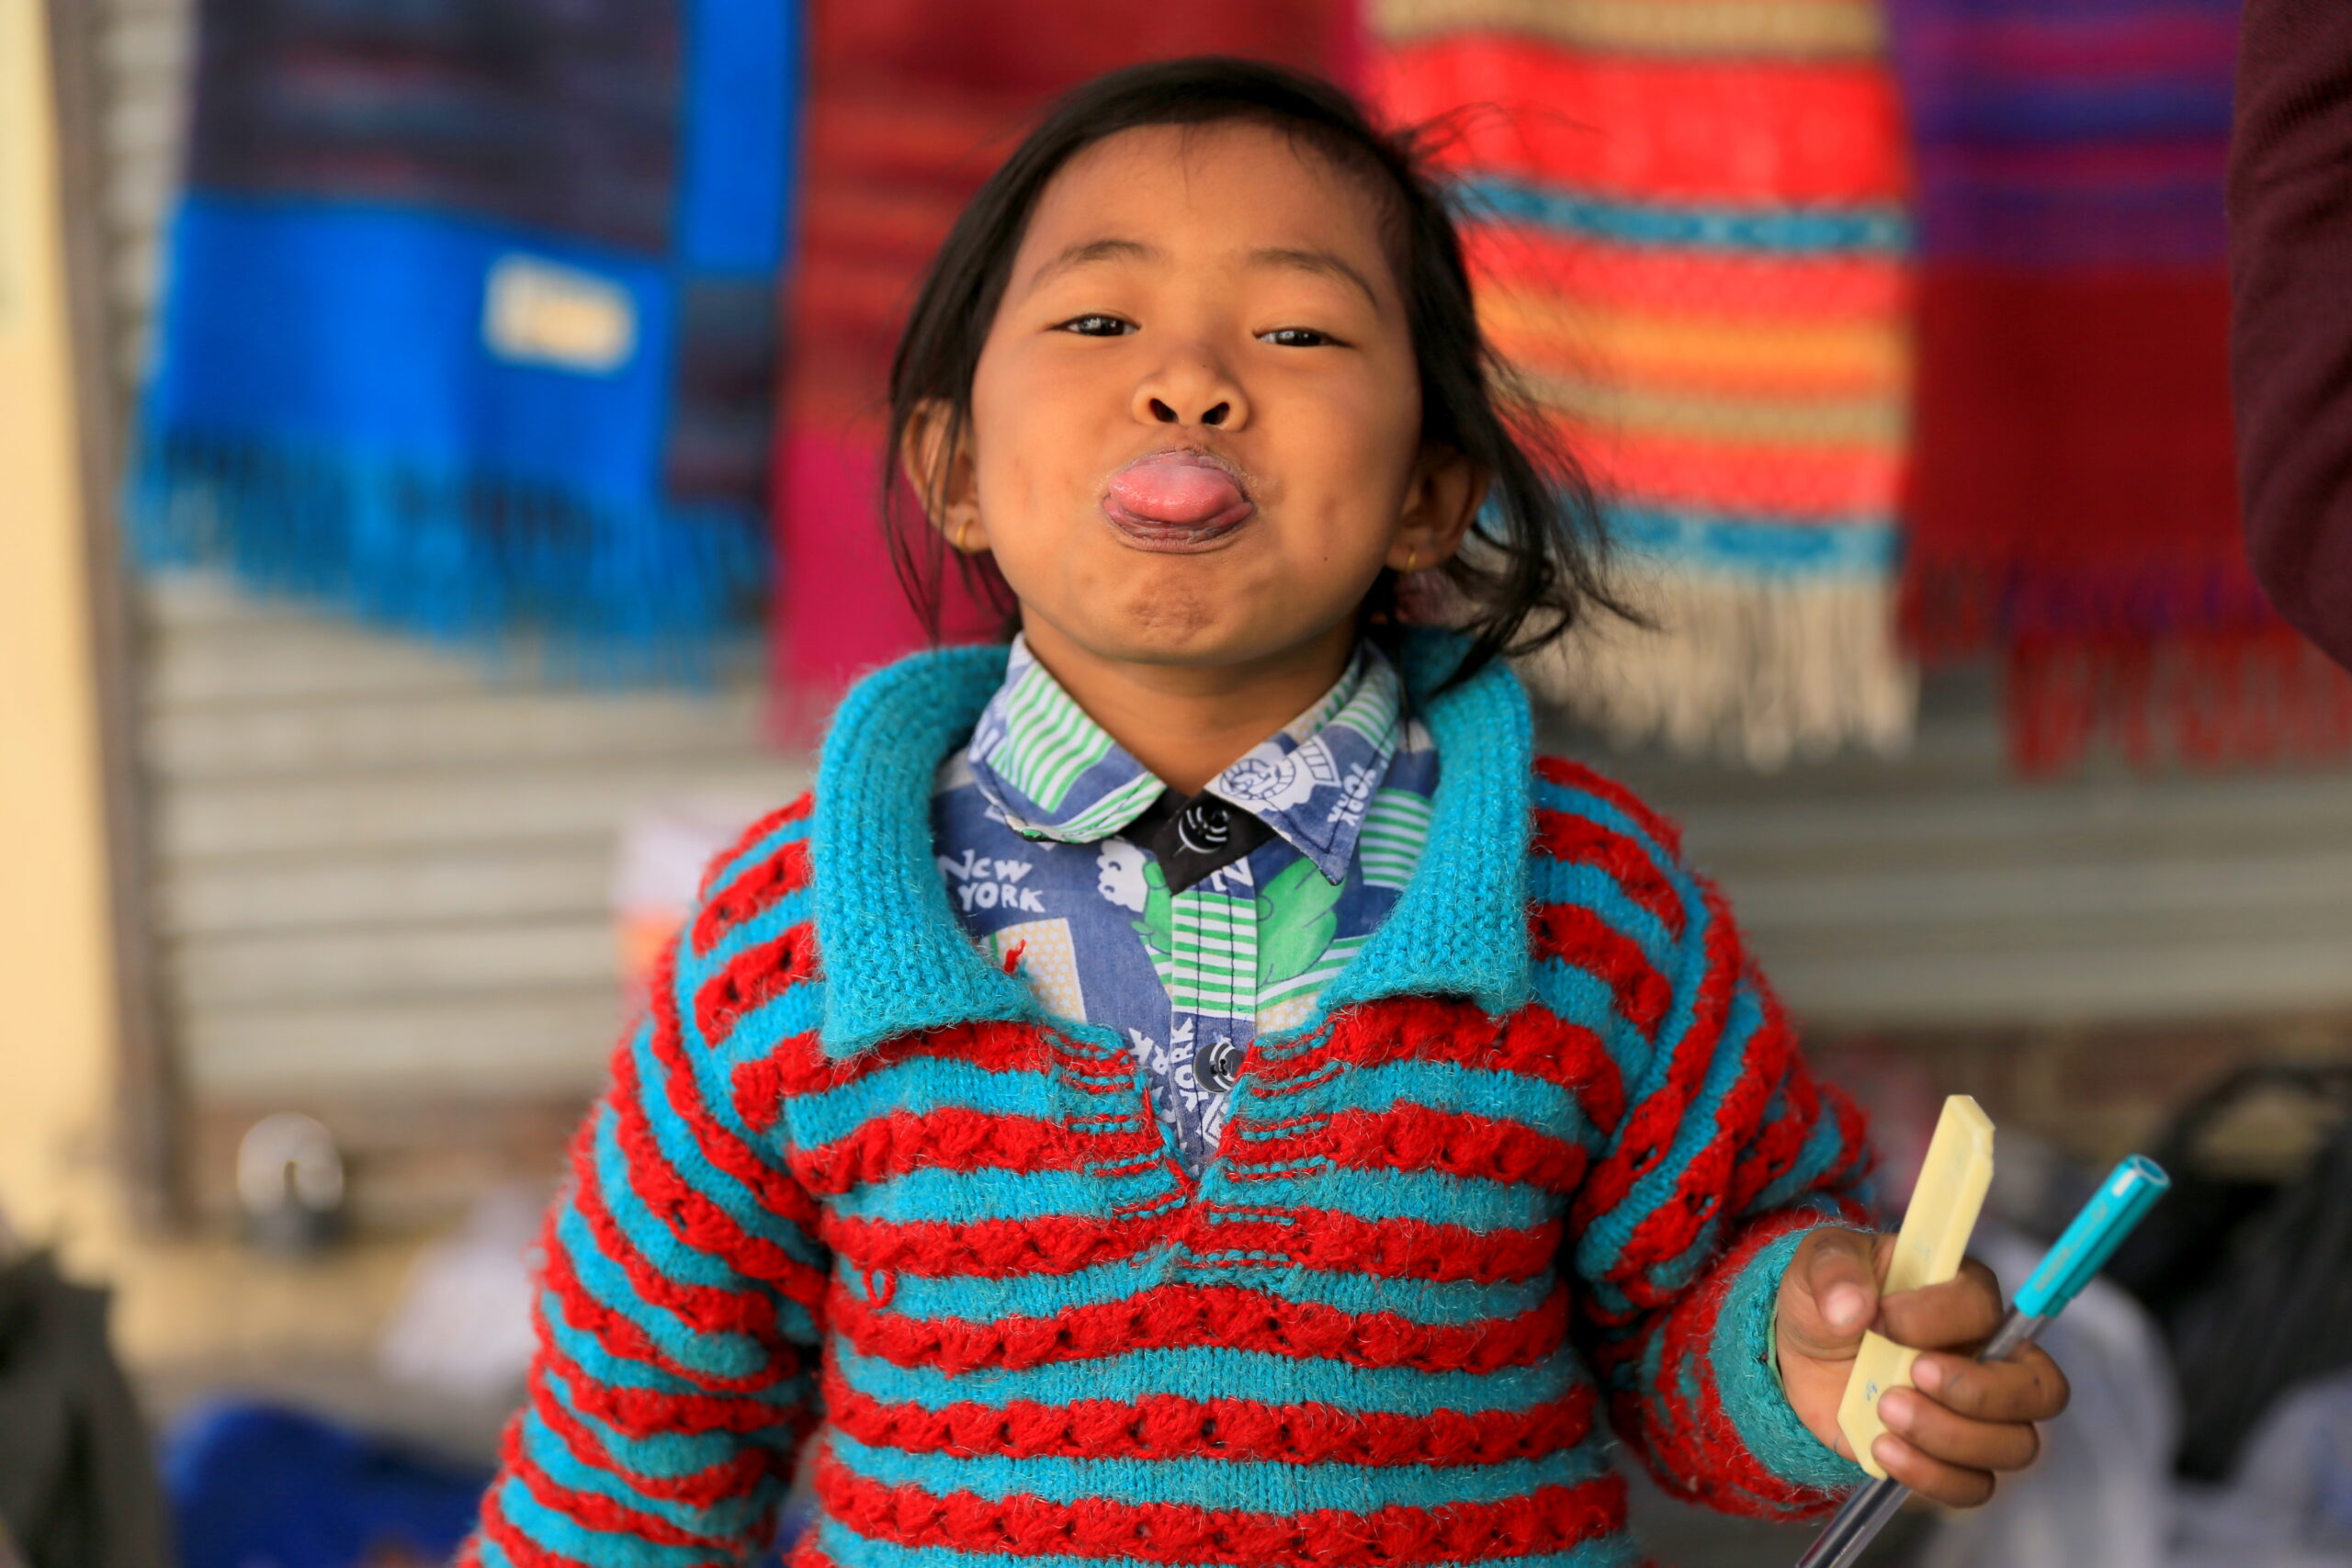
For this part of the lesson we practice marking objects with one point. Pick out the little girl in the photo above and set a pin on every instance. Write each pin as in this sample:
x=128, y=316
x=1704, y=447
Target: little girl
x=1191, y=1086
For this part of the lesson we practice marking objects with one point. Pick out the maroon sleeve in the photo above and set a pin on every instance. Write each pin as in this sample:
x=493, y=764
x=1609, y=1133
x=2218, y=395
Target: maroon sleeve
x=2291, y=284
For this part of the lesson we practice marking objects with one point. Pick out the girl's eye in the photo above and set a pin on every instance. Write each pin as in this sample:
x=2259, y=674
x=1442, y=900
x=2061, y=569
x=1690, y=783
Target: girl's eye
x=1297, y=337
x=1097, y=326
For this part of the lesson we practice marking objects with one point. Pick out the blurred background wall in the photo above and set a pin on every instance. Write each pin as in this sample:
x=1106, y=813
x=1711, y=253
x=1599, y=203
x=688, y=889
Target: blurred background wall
x=55, y=1080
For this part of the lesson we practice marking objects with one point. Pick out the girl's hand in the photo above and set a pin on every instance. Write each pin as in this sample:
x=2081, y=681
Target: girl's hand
x=1964, y=1422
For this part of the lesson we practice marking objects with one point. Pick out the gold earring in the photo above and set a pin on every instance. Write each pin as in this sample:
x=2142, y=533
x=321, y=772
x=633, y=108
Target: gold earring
x=963, y=529
x=1412, y=558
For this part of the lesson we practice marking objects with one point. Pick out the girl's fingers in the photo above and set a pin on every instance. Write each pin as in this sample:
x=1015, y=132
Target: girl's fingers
x=2026, y=1387
x=1964, y=1309
x=1954, y=1485
x=1943, y=1434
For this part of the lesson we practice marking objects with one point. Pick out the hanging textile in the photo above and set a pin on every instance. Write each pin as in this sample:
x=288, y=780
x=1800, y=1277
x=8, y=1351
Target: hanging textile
x=1691, y=240
x=2076, y=506
x=910, y=106
x=469, y=323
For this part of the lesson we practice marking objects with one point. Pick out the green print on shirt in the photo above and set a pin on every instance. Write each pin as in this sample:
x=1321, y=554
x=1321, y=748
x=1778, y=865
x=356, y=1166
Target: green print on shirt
x=1158, y=927
x=1296, y=922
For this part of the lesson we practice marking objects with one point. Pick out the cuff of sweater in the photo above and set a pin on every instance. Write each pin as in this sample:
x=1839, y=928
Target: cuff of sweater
x=1748, y=1377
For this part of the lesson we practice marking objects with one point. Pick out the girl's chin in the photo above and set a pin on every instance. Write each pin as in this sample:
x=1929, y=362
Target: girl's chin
x=1183, y=632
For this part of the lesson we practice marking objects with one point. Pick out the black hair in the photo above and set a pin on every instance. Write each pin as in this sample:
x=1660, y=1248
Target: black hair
x=1533, y=561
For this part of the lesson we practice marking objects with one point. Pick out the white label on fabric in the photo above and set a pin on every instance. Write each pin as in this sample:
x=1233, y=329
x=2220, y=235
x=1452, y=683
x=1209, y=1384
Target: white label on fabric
x=540, y=312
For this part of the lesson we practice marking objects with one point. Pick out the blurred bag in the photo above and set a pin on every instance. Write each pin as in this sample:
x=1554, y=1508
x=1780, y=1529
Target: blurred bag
x=78, y=1487
x=2290, y=1505
x=2251, y=1280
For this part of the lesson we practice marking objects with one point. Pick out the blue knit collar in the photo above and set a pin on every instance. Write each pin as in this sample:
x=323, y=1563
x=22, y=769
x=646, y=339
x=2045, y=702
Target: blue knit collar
x=896, y=962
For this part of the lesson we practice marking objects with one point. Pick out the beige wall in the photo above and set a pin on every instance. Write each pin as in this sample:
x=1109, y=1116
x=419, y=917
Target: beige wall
x=55, y=1058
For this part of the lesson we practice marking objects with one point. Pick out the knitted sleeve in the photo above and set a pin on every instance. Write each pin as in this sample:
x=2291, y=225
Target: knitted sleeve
x=1716, y=1151
x=677, y=1313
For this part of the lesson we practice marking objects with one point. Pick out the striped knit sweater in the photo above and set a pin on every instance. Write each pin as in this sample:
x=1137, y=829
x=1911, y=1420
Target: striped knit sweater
x=1530, y=1172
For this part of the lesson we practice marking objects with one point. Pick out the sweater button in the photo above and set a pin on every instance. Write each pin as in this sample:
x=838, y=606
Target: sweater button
x=1217, y=1065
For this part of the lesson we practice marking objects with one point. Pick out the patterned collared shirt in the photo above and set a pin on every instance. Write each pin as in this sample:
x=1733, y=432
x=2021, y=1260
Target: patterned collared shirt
x=1029, y=819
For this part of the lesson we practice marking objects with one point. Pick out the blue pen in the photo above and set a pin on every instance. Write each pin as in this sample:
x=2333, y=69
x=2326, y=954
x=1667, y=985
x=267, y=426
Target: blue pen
x=2127, y=1195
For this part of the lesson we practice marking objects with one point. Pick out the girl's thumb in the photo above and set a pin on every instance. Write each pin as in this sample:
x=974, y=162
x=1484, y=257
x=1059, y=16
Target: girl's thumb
x=1836, y=1269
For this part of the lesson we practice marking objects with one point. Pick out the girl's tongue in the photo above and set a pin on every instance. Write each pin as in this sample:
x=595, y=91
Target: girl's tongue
x=1176, y=501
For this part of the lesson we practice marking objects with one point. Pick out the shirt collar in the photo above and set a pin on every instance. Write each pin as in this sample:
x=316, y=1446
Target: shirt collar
x=898, y=962
x=1055, y=773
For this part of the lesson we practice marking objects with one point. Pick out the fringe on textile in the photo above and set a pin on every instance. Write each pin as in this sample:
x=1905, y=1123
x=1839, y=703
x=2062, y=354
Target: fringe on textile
x=2241, y=699
x=613, y=593
x=1758, y=672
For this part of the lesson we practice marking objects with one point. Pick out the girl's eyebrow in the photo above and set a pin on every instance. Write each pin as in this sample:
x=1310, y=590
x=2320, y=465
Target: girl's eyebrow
x=1322, y=263
x=1087, y=251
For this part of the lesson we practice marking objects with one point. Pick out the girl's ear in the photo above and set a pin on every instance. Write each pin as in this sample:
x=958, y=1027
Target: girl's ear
x=1441, y=499
x=943, y=476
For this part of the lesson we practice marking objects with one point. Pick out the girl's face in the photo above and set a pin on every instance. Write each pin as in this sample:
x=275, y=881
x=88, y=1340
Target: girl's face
x=1195, y=433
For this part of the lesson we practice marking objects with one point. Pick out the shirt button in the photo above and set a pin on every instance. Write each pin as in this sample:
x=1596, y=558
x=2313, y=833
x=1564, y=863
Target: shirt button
x=1217, y=1065
x=1204, y=827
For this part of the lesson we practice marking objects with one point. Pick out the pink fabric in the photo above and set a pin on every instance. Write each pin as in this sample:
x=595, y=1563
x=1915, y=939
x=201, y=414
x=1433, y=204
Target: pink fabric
x=911, y=104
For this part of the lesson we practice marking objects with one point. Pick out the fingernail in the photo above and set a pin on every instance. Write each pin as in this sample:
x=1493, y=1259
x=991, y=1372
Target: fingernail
x=1928, y=1374
x=1897, y=1409
x=1888, y=1449
x=1845, y=1308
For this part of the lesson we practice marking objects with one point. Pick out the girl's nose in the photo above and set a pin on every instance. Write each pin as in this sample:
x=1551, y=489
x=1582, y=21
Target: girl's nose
x=1194, y=393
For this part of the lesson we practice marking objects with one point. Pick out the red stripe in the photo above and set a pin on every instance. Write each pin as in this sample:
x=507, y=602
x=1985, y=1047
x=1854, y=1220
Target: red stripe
x=593, y=1510
x=751, y=894
x=705, y=1308
x=1707, y=1178
x=773, y=1187
x=799, y=1066
x=703, y=1488
x=520, y=1549
x=1532, y=1042
x=792, y=811
x=1551, y=1519
x=1575, y=935
x=1833, y=128
x=951, y=1138
x=752, y=979
x=1051, y=1244
x=1810, y=483
x=1775, y=1146
x=620, y=1335
x=1565, y=774
x=1319, y=1238
x=1646, y=1136
x=1159, y=1426
x=1571, y=1055
x=1579, y=841
x=1184, y=1317
x=1414, y=1137
x=655, y=1413
x=1835, y=288
x=1388, y=1248
x=691, y=1216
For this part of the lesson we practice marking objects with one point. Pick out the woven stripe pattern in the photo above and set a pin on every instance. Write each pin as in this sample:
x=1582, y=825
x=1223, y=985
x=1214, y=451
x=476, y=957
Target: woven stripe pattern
x=1689, y=223
x=1463, y=1223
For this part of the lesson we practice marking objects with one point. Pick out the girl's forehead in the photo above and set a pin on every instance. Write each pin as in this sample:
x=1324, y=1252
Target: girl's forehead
x=1196, y=190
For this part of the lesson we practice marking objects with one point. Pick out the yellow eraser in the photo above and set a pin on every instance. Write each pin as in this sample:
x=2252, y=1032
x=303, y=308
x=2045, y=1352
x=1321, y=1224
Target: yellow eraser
x=1928, y=1251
